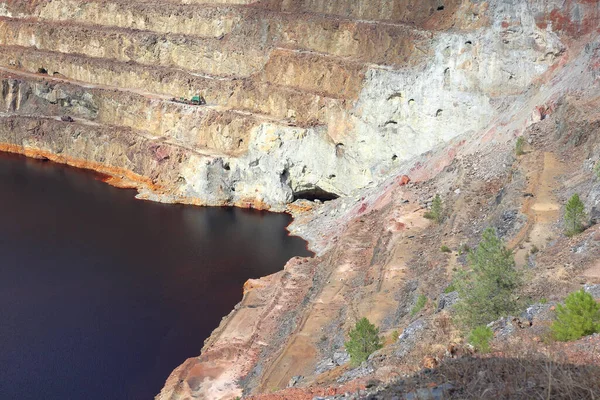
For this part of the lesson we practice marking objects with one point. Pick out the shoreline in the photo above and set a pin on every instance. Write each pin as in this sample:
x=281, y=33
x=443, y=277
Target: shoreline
x=130, y=181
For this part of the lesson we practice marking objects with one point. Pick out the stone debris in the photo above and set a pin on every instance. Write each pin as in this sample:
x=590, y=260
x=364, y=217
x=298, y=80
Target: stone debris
x=339, y=358
x=447, y=300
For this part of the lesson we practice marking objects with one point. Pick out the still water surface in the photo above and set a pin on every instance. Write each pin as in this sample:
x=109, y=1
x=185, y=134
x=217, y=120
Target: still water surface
x=102, y=295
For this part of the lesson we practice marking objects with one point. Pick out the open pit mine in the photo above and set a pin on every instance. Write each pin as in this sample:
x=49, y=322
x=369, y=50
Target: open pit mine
x=350, y=115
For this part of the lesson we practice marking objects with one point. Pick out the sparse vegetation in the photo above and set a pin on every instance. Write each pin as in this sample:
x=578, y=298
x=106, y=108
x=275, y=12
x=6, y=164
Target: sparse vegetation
x=487, y=291
x=480, y=338
x=437, y=210
x=526, y=374
x=464, y=249
x=520, y=146
x=443, y=323
x=574, y=215
x=364, y=340
x=451, y=288
x=446, y=249
x=421, y=301
x=597, y=169
x=580, y=316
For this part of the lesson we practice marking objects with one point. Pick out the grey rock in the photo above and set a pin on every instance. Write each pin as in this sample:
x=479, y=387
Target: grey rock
x=502, y=327
x=341, y=357
x=295, y=380
x=324, y=366
x=534, y=310
x=447, y=300
x=594, y=290
x=411, y=330
x=409, y=336
x=595, y=215
x=364, y=370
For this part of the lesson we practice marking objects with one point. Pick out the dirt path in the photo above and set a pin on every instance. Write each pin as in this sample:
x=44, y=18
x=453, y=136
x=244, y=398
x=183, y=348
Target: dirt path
x=392, y=273
x=143, y=93
x=542, y=210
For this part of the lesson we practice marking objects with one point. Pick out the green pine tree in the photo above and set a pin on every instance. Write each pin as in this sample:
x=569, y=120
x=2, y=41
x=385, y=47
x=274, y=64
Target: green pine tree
x=520, y=146
x=437, y=210
x=574, y=215
x=364, y=340
x=487, y=291
x=480, y=338
x=580, y=316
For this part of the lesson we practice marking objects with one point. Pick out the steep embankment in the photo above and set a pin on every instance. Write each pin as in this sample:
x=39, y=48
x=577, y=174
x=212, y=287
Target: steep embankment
x=310, y=99
x=505, y=69
x=317, y=99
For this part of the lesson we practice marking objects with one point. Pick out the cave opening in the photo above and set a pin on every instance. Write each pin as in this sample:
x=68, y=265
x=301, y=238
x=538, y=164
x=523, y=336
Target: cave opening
x=315, y=193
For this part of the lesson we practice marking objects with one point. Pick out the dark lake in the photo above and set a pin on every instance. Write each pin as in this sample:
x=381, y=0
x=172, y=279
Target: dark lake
x=103, y=295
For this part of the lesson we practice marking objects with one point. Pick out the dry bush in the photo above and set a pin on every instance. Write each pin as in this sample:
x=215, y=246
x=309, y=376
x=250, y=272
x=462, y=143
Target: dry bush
x=521, y=378
x=443, y=324
x=525, y=375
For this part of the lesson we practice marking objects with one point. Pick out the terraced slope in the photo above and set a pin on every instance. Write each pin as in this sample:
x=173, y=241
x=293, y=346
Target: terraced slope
x=305, y=99
x=482, y=75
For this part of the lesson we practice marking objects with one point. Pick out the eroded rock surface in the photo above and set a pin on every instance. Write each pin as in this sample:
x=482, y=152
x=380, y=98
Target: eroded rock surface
x=371, y=106
x=308, y=99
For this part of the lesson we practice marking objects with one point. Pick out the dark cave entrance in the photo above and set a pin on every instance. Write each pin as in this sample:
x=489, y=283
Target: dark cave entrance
x=315, y=193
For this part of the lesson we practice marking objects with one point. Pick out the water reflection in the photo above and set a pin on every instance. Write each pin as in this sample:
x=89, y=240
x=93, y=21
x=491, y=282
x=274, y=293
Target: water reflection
x=102, y=295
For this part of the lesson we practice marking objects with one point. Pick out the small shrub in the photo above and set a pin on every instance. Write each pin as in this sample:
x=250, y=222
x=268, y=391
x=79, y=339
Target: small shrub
x=597, y=169
x=421, y=301
x=543, y=300
x=480, y=338
x=579, y=317
x=364, y=340
x=534, y=249
x=443, y=323
x=395, y=335
x=488, y=291
x=437, y=210
x=574, y=215
x=464, y=249
x=446, y=249
x=520, y=146
x=451, y=288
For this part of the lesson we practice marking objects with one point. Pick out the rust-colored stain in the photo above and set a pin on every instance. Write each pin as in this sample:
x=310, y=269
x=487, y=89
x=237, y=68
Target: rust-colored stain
x=114, y=176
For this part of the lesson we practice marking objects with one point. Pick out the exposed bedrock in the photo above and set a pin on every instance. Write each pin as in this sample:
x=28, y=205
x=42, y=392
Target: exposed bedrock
x=485, y=81
x=297, y=104
x=305, y=99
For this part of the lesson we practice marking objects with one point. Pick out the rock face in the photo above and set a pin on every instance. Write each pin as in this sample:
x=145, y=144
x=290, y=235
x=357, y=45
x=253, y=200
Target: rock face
x=305, y=99
x=506, y=68
x=356, y=100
